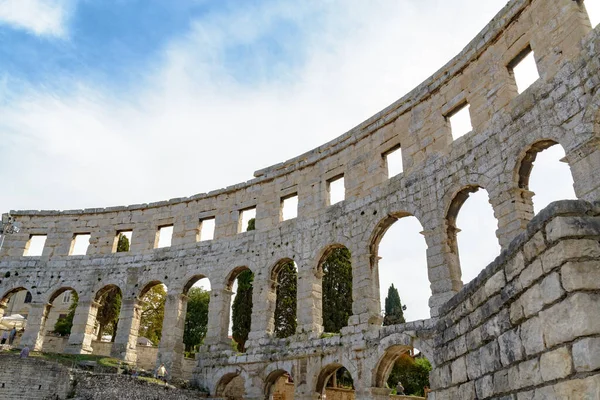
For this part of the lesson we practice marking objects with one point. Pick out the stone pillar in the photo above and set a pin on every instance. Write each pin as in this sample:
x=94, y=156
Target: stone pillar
x=36, y=323
x=585, y=168
x=264, y=297
x=125, y=344
x=366, y=309
x=443, y=267
x=310, y=305
x=82, y=332
x=513, y=208
x=219, y=311
x=170, y=349
x=375, y=393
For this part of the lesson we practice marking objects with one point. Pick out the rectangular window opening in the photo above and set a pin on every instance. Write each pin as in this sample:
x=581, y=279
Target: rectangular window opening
x=66, y=297
x=336, y=190
x=247, y=220
x=35, y=246
x=524, y=70
x=207, y=229
x=289, y=207
x=81, y=242
x=122, y=244
x=164, y=236
x=460, y=120
x=393, y=161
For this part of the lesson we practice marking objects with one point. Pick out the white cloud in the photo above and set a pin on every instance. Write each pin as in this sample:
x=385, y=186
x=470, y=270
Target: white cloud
x=42, y=17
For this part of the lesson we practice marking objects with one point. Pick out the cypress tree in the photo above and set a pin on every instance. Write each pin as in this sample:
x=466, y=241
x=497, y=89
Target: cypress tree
x=285, y=306
x=394, y=311
x=242, y=309
x=337, y=290
x=123, y=243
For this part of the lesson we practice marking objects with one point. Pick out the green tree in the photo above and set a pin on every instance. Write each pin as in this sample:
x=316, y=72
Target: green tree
x=123, y=243
x=337, y=290
x=394, y=310
x=242, y=309
x=63, y=325
x=108, y=312
x=412, y=372
x=285, y=305
x=196, y=318
x=251, y=224
x=153, y=312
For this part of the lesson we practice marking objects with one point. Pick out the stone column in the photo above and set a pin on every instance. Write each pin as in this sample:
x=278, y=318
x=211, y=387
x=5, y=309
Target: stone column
x=366, y=308
x=513, y=208
x=36, y=322
x=264, y=297
x=125, y=344
x=170, y=349
x=82, y=332
x=443, y=267
x=219, y=310
x=585, y=168
x=310, y=306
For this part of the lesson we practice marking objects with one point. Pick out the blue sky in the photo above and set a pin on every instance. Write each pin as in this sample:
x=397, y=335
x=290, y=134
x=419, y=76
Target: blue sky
x=111, y=102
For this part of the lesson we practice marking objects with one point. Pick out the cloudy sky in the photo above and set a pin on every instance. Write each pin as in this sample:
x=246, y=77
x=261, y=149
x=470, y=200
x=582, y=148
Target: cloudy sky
x=111, y=102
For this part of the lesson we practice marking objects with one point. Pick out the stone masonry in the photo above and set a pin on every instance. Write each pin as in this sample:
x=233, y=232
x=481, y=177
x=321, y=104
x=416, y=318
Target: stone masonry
x=526, y=328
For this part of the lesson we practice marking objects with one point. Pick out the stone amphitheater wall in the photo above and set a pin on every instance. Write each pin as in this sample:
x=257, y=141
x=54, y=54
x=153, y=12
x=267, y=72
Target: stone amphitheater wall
x=562, y=107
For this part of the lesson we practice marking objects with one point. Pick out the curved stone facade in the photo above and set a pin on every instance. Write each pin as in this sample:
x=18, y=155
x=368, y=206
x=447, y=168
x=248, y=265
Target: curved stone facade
x=508, y=129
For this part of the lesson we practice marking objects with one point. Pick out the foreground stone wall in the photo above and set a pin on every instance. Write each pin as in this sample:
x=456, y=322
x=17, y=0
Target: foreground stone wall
x=528, y=325
x=32, y=379
x=509, y=129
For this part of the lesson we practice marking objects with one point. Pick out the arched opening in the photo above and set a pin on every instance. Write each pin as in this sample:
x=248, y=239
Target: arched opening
x=471, y=223
x=335, y=381
x=197, y=292
x=551, y=178
x=399, y=260
x=108, y=300
x=279, y=385
x=152, y=299
x=336, y=285
x=14, y=309
x=240, y=282
x=59, y=320
x=403, y=369
x=285, y=278
x=231, y=386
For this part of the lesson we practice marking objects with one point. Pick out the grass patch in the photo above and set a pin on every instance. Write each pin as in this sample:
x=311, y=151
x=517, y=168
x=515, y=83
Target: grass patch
x=152, y=380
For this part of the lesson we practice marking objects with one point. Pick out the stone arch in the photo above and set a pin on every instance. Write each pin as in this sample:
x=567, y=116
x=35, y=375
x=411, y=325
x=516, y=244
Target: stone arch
x=223, y=385
x=272, y=295
x=233, y=275
x=272, y=378
x=325, y=254
x=7, y=295
x=527, y=158
x=231, y=279
x=105, y=289
x=374, y=242
x=191, y=281
x=451, y=231
x=10, y=292
x=325, y=375
x=147, y=287
x=386, y=363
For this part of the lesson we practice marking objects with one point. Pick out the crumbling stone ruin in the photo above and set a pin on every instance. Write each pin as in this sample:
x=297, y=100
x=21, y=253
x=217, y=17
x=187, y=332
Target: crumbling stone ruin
x=526, y=328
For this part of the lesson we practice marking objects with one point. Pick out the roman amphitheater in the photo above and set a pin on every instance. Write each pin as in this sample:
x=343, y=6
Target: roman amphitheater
x=526, y=328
